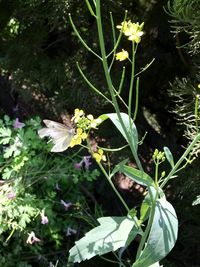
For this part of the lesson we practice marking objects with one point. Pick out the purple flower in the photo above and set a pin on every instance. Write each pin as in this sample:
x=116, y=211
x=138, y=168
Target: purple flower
x=44, y=218
x=11, y=195
x=77, y=166
x=86, y=161
x=70, y=231
x=32, y=238
x=66, y=205
x=17, y=124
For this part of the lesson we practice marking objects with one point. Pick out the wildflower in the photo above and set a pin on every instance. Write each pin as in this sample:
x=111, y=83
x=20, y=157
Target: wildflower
x=11, y=195
x=122, y=55
x=32, y=238
x=99, y=155
x=132, y=30
x=78, y=113
x=44, y=218
x=17, y=124
x=70, y=231
x=77, y=166
x=85, y=161
x=66, y=205
x=124, y=27
x=78, y=137
x=93, y=122
x=198, y=86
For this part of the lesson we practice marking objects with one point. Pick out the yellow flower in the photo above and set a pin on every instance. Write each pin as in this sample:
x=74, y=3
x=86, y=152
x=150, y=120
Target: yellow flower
x=93, y=122
x=78, y=137
x=122, y=55
x=132, y=30
x=124, y=26
x=198, y=86
x=98, y=156
x=78, y=113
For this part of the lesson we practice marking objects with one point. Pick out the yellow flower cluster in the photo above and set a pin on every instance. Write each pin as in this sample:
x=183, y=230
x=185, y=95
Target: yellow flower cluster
x=78, y=113
x=122, y=55
x=78, y=137
x=93, y=122
x=98, y=156
x=83, y=123
x=132, y=30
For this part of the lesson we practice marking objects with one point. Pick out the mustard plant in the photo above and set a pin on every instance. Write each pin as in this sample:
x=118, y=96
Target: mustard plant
x=157, y=223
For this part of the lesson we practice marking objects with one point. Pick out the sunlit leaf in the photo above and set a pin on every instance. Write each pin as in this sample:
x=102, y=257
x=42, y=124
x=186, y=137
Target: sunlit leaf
x=156, y=265
x=112, y=234
x=169, y=156
x=197, y=201
x=136, y=175
x=131, y=129
x=162, y=236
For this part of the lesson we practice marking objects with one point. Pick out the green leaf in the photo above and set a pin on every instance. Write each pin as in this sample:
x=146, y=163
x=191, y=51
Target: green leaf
x=196, y=202
x=9, y=151
x=137, y=175
x=130, y=129
x=111, y=234
x=145, y=208
x=116, y=168
x=169, y=156
x=7, y=173
x=5, y=135
x=156, y=265
x=162, y=236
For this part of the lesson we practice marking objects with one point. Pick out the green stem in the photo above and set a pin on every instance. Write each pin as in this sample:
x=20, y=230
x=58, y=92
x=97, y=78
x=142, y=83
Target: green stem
x=136, y=99
x=121, y=81
x=109, y=82
x=119, y=196
x=12, y=232
x=81, y=39
x=113, y=187
x=131, y=84
x=90, y=8
x=156, y=174
x=174, y=170
x=91, y=85
x=146, y=233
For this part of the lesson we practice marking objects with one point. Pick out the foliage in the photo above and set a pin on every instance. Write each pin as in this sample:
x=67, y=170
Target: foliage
x=185, y=92
x=157, y=211
x=39, y=200
x=186, y=18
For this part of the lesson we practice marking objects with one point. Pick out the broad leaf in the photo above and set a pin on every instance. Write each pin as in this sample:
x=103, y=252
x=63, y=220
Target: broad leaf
x=162, y=236
x=196, y=202
x=169, y=156
x=131, y=129
x=112, y=234
x=156, y=265
x=136, y=175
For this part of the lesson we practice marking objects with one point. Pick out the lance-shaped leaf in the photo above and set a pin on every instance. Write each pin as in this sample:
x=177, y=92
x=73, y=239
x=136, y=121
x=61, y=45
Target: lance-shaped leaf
x=136, y=175
x=111, y=234
x=131, y=129
x=162, y=236
x=169, y=156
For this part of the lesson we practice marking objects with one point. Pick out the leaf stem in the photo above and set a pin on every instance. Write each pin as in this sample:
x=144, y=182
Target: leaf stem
x=174, y=170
